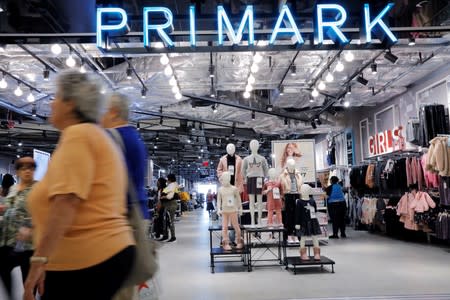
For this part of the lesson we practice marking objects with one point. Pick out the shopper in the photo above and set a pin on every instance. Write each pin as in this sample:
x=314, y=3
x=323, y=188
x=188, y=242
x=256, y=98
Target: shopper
x=209, y=202
x=7, y=182
x=16, y=246
x=336, y=207
x=169, y=202
x=84, y=244
x=160, y=228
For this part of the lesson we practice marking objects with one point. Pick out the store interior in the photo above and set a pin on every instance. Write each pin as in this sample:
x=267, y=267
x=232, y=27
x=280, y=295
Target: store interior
x=372, y=114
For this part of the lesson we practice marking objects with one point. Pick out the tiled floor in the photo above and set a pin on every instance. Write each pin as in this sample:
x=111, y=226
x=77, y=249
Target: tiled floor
x=367, y=265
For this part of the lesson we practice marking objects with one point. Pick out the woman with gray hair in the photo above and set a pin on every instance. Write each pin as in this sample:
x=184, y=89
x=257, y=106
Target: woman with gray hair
x=78, y=210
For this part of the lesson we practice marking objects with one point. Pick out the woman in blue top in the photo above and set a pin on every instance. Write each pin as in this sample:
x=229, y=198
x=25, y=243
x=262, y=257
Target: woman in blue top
x=336, y=207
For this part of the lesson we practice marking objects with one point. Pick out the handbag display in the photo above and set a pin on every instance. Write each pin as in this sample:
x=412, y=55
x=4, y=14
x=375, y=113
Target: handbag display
x=145, y=264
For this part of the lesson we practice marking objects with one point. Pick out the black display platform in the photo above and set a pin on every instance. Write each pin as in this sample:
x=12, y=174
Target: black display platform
x=295, y=261
x=220, y=252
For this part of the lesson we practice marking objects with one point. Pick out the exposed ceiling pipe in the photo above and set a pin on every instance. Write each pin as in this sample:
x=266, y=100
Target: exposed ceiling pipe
x=20, y=111
x=46, y=64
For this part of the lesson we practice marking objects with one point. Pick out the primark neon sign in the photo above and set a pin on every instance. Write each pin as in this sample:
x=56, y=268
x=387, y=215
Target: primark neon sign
x=324, y=28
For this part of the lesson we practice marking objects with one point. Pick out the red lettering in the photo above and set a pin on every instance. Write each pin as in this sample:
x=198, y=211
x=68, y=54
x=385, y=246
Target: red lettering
x=381, y=143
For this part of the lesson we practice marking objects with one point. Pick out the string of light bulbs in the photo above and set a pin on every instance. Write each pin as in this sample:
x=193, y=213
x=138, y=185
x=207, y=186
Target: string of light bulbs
x=254, y=68
x=169, y=72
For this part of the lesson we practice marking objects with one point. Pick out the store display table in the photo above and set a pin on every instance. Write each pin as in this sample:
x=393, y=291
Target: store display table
x=295, y=262
x=259, y=246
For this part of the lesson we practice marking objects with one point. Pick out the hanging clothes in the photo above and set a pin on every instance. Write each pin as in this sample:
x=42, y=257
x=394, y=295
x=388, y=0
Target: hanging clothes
x=432, y=122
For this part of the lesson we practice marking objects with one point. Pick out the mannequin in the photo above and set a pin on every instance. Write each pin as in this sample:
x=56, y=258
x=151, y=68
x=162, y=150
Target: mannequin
x=254, y=169
x=307, y=224
x=229, y=206
x=291, y=182
x=272, y=188
x=232, y=163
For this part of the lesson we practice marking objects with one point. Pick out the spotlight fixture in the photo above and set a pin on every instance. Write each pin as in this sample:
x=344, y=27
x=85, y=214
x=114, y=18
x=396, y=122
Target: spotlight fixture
x=161, y=120
x=373, y=67
x=164, y=60
x=253, y=115
x=254, y=68
x=46, y=74
x=317, y=120
x=233, y=133
x=315, y=93
x=269, y=107
x=321, y=85
x=281, y=89
x=56, y=49
x=293, y=70
x=246, y=94
x=349, y=56
x=286, y=121
x=329, y=77
x=251, y=79
x=70, y=61
x=362, y=80
x=257, y=58
x=18, y=91
x=339, y=66
x=138, y=126
x=143, y=93
x=373, y=91
x=3, y=83
x=34, y=110
x=313, y=125
x=30, y=97
x=391, y=57
x=214, y=108
x=411, y=41
x=349, y=90
x=129, y=73
x=212, y=92
x=211, y=71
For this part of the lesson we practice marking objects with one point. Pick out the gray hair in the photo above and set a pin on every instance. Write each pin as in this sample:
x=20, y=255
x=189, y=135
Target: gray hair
x=121, y=103
x=84, y=91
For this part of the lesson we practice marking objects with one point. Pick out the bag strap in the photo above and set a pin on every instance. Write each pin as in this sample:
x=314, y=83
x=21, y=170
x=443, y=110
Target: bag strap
x=119, y=141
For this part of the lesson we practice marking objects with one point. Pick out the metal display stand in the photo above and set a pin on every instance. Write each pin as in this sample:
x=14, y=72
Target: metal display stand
x=296, y=262
x=258, y=246
x=216, y=252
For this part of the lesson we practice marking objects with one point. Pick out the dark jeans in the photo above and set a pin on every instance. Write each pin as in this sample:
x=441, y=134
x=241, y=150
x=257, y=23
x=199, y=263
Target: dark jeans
x=337, y=215
x=99, y=282
x=9, y=260
x=289, y=208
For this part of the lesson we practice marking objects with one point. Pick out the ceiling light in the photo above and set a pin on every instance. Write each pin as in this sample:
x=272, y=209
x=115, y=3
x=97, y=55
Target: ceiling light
x=254, y=68
x=173, y=81
x=313, y=125
x=82, y=69
x=157, y=136
x=30, y=97
x=286, y=121
x=253, y=115
x=70, y=61
x=20, y=144
x=315, y=93
x=178, y=96
x=269, y=107
x=18, y=91
x=212, y=92
x=281, y=90
x=56, y=49
x=175, y=89
x=3, y=83
x=349, y=90
x=362, y=80
x=339, y=66
x=346, y=103
x=391, y=57
x=373, y=67
x=138, y=126
x=233, y=132
x=214, y=108
x=329, y=77
x=311, y=100
x=34, y=110
x=143, y=92
x=46, y=74
x=9, y=144
x=155, y=147
x=211, y=71
x=168, y=71
x=249, y=88
x=257, y=58
x=18, y=156
x=31, y=76
x=322, y=85
x=293, y=70
x=411, y=41
x=161, y=120
x=129, y=73
x=164, y=60
x=373, y=91
x=349, y=56
x=246, y=95
x=318, y=121
x=251, y=79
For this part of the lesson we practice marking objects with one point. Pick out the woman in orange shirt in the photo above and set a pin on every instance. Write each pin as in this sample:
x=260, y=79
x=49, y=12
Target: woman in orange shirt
x=84, y=248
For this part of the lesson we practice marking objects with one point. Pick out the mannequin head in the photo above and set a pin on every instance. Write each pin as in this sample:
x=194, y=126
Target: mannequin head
x=290, y=165
x=225, y=178
x=231, y=149
x=272, y=173
x=254, y=146
x=305, y=191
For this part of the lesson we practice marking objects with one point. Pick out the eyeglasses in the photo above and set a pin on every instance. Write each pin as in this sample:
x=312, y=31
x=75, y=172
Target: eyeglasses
x=24, y=168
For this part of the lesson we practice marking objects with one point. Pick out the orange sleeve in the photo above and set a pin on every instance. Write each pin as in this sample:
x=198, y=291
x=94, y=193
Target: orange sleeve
x=73, y=166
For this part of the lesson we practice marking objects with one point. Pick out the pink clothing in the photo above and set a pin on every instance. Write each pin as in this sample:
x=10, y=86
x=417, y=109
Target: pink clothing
x=422, y=202
x=408, y=172
x=273, y=204
x=431, y=179
x=410, y=204
x=239, y=179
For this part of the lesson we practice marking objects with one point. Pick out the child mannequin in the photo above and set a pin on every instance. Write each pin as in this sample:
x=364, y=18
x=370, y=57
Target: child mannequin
x=272, y=189
x=306, y=222
x=229, y=206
